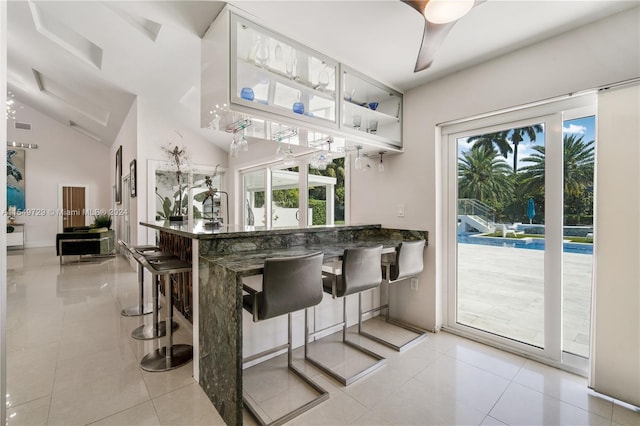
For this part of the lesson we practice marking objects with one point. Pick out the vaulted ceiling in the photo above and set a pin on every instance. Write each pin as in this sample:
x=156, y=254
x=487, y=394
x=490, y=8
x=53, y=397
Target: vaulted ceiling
x=84, y=62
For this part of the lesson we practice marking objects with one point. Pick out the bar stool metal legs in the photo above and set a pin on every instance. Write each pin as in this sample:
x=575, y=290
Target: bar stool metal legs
x=359, y=272
x=170, y=356
x=141, y=308
x=289, y=284
x=408, y=263
x=156, y=328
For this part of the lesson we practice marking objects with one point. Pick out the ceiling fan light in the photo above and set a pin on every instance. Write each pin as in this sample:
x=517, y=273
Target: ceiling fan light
x=445, y=11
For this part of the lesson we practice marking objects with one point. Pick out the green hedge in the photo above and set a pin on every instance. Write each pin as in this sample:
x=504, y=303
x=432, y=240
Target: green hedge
x=577, y=219
x=319, y=212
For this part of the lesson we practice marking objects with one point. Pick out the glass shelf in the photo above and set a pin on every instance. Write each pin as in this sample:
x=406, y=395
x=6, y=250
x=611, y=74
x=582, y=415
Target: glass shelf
x=278, y=76
x=369, y=106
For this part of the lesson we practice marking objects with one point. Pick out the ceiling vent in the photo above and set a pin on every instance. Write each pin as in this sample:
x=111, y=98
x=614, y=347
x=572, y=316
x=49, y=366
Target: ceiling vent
x=23, y=126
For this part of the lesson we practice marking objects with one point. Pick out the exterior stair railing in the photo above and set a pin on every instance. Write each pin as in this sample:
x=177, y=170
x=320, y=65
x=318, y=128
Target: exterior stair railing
x=479, y=210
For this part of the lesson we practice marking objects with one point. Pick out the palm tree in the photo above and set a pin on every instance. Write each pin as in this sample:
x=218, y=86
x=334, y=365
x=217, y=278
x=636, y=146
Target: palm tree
x=484, y=176
x=578, y=167
x=488, y=140
x=501, y=140
x=517, y=136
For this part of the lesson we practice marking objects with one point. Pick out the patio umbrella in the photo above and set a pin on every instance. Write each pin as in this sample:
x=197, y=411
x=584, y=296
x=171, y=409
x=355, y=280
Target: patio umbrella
x=531, y=209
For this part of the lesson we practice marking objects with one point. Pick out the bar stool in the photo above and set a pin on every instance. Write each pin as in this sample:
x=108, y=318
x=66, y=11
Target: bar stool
x=360, y=271
x=408, y=263
x=170, y=356
x=141, y=308
x=157, y=328
x=289, y=284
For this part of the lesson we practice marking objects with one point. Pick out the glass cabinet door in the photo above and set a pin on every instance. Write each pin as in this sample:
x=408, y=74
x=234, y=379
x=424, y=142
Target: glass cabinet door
x=278, y=76
x=370, y=107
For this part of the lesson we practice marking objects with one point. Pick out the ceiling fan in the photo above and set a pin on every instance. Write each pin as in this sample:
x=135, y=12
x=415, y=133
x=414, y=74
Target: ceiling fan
x=439, y=17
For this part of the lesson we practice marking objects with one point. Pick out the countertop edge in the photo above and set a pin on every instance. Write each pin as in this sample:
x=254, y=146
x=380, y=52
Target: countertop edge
x=166, y=227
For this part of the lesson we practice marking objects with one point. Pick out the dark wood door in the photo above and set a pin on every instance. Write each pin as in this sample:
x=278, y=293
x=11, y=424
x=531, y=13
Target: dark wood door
x=73, y=207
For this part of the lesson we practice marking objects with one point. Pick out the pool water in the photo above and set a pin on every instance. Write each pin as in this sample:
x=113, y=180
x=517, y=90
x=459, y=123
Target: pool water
x=525, y=243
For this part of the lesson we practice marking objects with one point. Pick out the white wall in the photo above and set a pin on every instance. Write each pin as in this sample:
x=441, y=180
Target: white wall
x=600, y=53
x=615, y=355
x=63, y=157
x=127, y=138
x=155, y=130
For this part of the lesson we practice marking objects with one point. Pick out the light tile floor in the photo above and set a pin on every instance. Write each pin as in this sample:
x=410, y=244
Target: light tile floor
x=71, y=362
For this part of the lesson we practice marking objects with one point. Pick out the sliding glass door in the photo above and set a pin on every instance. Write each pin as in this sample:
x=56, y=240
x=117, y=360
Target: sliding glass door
x=577, y=257
x=521, y=227
x=500, y=234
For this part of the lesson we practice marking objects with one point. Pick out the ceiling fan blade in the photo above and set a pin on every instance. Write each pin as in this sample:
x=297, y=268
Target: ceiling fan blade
x=418, y=5
x=433, y=35
x=432, y=38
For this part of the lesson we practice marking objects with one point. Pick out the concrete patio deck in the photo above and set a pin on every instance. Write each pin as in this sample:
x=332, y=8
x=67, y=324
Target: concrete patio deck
x=500, y=289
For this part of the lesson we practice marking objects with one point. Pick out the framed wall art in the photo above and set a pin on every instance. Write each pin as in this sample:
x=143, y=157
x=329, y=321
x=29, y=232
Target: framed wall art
x=118, y=183
x=133, y=177
x=15, y=178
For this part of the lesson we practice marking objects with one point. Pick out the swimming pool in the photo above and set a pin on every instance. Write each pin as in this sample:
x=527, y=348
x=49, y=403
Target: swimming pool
x=525, y=243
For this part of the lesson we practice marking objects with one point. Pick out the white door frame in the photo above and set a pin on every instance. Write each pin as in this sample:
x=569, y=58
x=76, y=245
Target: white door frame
x=552, y=115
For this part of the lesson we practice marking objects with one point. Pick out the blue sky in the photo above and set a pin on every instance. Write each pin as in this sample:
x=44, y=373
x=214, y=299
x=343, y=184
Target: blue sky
x=581, y=127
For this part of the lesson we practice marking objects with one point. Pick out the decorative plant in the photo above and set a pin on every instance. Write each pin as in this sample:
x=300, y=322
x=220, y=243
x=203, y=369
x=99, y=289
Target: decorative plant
x=170, y=207
x=102, y=221
x=211, y=191
x=178, y=157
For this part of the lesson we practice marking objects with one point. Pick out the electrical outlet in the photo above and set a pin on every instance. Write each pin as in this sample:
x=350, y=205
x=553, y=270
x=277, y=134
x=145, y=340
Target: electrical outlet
x=400, y=210
x=414, y=284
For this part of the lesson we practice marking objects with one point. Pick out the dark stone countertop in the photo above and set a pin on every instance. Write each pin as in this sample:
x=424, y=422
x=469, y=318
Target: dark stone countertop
x=249, y=263
x=198, y=230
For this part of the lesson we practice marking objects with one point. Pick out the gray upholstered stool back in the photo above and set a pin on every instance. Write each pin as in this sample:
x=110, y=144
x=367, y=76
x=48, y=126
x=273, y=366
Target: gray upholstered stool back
x=360, y=270
x=290, y=284
x=409, y=260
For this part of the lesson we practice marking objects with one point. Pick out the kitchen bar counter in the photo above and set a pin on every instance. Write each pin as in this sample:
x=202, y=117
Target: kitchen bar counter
x=224, y=257
x=197, y=229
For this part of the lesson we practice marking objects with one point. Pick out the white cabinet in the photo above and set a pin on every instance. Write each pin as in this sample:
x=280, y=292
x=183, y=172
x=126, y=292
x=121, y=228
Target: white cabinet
x=15, y=238
x=249, y=70
x=371, y=107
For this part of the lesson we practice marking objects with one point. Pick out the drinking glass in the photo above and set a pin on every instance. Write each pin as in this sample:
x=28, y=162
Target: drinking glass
x=278, y=52
x=357, y=121
x=262, y=51
x=247, y=93
x=233, y=148
x=298, y=107
x=289, y=159
x=291, y=64
x=243, y=144
x=323, y=77
x=280, y=151
x=358, y=162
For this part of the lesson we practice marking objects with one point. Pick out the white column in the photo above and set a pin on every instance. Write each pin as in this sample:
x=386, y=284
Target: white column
x=329, y=203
